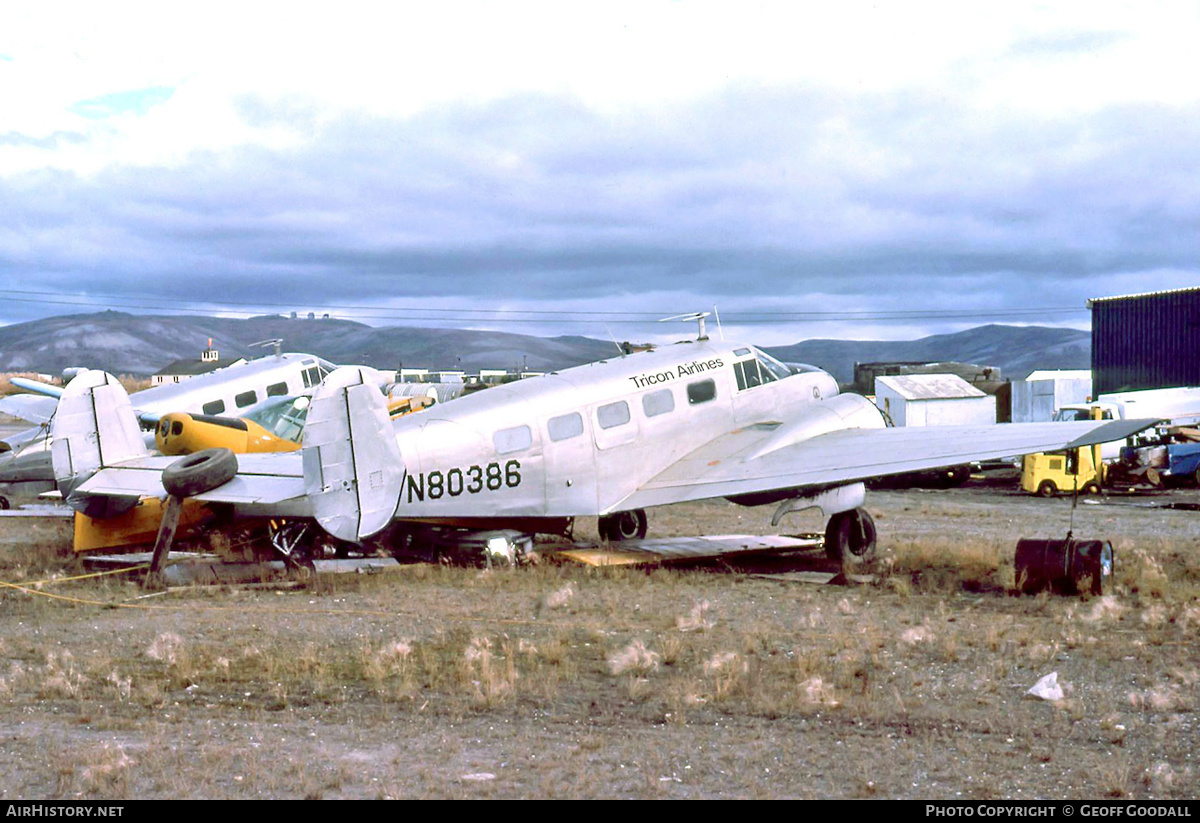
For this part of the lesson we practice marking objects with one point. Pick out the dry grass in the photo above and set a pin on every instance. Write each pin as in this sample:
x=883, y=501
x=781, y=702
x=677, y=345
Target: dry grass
x=563, y=681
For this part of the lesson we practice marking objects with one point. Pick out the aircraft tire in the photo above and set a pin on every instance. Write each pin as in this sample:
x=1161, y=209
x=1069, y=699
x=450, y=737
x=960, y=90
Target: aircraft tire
x=1047, y=489
x=850, y=538
x=623, y=526
x=200, y=472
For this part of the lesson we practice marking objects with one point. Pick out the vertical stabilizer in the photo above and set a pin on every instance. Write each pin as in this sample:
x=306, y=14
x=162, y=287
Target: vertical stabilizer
x=93, y=427
x=352, y=463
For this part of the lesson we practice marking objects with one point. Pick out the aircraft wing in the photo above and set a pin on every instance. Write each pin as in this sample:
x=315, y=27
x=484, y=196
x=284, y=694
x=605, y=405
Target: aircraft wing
x=262, y=479
x=35, y=408
x=733, y=465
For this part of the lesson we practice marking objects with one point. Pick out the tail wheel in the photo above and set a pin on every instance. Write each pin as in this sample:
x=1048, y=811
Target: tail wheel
x=1047, y=489
x=850, y=538
x=629, y=525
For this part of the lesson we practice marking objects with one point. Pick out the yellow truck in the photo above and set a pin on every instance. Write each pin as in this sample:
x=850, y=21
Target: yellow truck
x=1048, y=474
x=1078, y=470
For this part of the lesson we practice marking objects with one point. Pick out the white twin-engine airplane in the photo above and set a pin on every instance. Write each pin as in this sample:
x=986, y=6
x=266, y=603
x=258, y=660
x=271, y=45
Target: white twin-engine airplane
x=689, y=421
x=230, y=391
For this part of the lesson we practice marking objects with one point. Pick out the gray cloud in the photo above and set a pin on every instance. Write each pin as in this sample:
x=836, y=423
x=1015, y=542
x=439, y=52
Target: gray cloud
x=786, y=198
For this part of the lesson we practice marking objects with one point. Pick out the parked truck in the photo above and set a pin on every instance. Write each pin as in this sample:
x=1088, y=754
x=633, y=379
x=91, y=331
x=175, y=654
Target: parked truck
x=1166, y=452
x=1145, y=461
x=1048, y=474
x=1180, y=407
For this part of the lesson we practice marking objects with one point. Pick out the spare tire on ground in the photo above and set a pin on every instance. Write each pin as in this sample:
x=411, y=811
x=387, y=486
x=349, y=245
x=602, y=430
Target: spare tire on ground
x=199, y=472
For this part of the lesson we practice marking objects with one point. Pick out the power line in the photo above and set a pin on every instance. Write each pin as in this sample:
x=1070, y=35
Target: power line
x=556, y=316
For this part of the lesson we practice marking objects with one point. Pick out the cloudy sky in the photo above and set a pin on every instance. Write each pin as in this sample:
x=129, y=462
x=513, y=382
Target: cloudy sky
x=855, y=170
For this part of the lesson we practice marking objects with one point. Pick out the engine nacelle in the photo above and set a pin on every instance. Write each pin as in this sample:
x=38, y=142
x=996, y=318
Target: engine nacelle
x=846, y=411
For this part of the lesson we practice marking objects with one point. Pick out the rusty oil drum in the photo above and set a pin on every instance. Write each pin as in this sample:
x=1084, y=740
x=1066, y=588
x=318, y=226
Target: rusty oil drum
x=1065, y=566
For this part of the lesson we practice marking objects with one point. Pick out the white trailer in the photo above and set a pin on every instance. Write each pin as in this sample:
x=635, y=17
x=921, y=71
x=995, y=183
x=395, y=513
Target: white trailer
x=1036, y=398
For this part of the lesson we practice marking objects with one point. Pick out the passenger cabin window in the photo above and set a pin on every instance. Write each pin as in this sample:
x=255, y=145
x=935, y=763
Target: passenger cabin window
x=215, y=407
x=277, y=389
x=612, y=415
x=246, y=398
x=701, y=392
x=512, y=440
x=658, y=402
x=565, y=427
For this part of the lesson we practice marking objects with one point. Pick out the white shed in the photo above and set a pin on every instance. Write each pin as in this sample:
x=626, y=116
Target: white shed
x=1038, y=396
x=933, y=400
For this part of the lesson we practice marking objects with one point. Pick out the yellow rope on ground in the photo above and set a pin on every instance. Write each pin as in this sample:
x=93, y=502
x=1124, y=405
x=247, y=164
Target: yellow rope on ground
x=84, y=576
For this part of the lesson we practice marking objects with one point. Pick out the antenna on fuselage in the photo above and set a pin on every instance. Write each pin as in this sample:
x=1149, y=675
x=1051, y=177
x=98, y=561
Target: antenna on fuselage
x=276, y=342
x=696, y=315
x=620, y=349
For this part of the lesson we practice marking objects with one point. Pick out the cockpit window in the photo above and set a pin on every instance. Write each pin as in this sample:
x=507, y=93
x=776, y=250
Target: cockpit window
x=283, y=417
x=747, y=374
x=763, y=368
x=770, y=365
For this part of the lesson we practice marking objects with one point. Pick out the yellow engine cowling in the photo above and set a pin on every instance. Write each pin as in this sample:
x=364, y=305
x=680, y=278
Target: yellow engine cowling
x=182, y=433
x=400, y=406
x=137, y=526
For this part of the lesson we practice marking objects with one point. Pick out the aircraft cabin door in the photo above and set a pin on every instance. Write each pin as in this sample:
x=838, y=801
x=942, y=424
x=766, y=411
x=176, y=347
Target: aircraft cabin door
x=570, y=462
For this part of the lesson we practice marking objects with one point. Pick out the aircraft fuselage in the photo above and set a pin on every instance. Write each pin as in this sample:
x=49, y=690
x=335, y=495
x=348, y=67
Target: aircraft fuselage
x=580, y=441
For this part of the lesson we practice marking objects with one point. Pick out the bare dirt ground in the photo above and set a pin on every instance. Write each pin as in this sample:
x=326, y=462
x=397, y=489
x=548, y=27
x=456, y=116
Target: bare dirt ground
x=564, y=681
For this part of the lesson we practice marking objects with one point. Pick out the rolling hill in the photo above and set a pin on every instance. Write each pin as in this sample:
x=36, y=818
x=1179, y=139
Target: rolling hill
x=131, y=344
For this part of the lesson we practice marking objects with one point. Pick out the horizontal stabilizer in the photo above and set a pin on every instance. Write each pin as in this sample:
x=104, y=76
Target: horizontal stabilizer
x=33, y=408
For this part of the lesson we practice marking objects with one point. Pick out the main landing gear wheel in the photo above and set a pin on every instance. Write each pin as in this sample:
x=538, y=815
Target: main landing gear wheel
x=623, y=526
x=200, y=472
x=850, y=538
